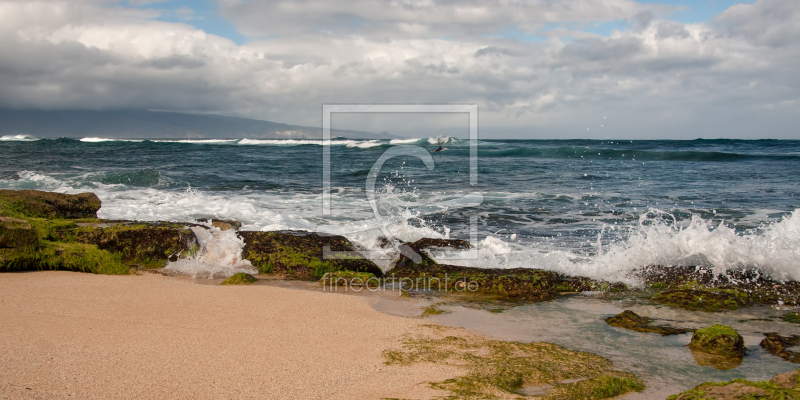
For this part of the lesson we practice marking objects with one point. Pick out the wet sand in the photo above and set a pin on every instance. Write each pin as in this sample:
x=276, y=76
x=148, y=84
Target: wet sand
x=66, y=335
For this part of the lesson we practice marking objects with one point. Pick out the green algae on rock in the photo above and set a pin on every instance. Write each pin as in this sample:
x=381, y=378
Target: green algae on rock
x=240, y=279
x=76, y=257
x=39, y=204
x=781, y=387
x=704, y=299
x=718, y=339
x=146, y=245
x=300, y=254
x=432, y=310
x=497, y=369
x=519, y=284
x=632, y=321
x=777, y=345
x=61, y=231
x=792, y=318
x=17, y=234
x=700, y=288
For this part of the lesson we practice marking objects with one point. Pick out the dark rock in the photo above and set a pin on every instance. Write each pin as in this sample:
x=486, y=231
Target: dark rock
x=414, y=253
x=729, y=290
x=430, y=243
x=38, y=204
x=524, y=284
x=718, y=339
x=776, y=344
x=145, y=245
x=223, y=224
x=632, y=321
x=300, y=254
x=17, y=234
x=705, y=299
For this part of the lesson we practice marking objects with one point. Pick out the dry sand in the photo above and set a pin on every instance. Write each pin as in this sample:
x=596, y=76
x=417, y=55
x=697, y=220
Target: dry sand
x=66, y=335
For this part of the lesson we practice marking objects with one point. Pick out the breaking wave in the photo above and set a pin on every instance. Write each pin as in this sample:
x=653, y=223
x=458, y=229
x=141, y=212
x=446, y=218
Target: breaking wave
x=18, y=138
x=219, y=256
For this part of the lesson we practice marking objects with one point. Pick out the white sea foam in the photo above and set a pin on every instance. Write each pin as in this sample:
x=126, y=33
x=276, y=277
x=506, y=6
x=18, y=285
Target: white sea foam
x=294, y=142
x=99, y=140
x=652, y=240
x=17, y=138
x=366, y=145
x=220, y=255
x=200, y=141
x=443, y=140
x=404, y=141
x=774, y=249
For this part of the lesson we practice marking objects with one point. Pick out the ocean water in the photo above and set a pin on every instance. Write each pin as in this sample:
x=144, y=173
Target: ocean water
x=583, y=207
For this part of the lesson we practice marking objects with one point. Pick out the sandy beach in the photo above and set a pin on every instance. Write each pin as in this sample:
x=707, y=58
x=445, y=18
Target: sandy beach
x=66, y=335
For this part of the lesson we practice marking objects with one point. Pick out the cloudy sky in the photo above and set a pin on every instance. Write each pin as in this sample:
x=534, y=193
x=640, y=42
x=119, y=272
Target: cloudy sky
x=537, y=69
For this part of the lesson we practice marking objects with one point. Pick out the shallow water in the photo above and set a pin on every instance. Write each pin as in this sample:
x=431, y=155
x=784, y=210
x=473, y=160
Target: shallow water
x=663, y=362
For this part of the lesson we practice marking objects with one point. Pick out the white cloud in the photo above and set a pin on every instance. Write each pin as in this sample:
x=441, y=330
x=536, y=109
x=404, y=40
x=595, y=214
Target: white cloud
x=656, y=78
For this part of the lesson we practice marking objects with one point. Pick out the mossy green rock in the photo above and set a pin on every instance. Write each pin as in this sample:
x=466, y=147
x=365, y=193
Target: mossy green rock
x=700, y=288
x=240, y=279
x=718, y=339
x=300, y=254
x=520, y=284
x=17, y=234
x=76, y=257
x=144, y=245
x=792, y=318
x=705, y=299
x=781, y=387
x=38, y=204
x=632, y=321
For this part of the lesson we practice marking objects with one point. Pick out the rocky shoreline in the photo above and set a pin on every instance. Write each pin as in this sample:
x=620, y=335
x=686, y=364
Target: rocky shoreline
x=53, y=231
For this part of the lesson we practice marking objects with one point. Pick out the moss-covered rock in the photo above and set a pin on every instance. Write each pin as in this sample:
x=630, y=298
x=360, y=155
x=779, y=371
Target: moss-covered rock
x=147, y=245
x=777, y=345
x=17, y=234
x=705, y=299
x=789, y=380
x=699, y=288
x=523, y=284
x=718, y=339
x=240, y=279
x=300, y=254
x=781, y=387
x=632, y=321
x=77, y=257
x=793, y=318
x=38, y=204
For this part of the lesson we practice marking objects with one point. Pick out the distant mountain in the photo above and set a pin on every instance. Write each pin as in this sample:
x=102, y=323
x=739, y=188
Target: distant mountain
x=144, y=124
